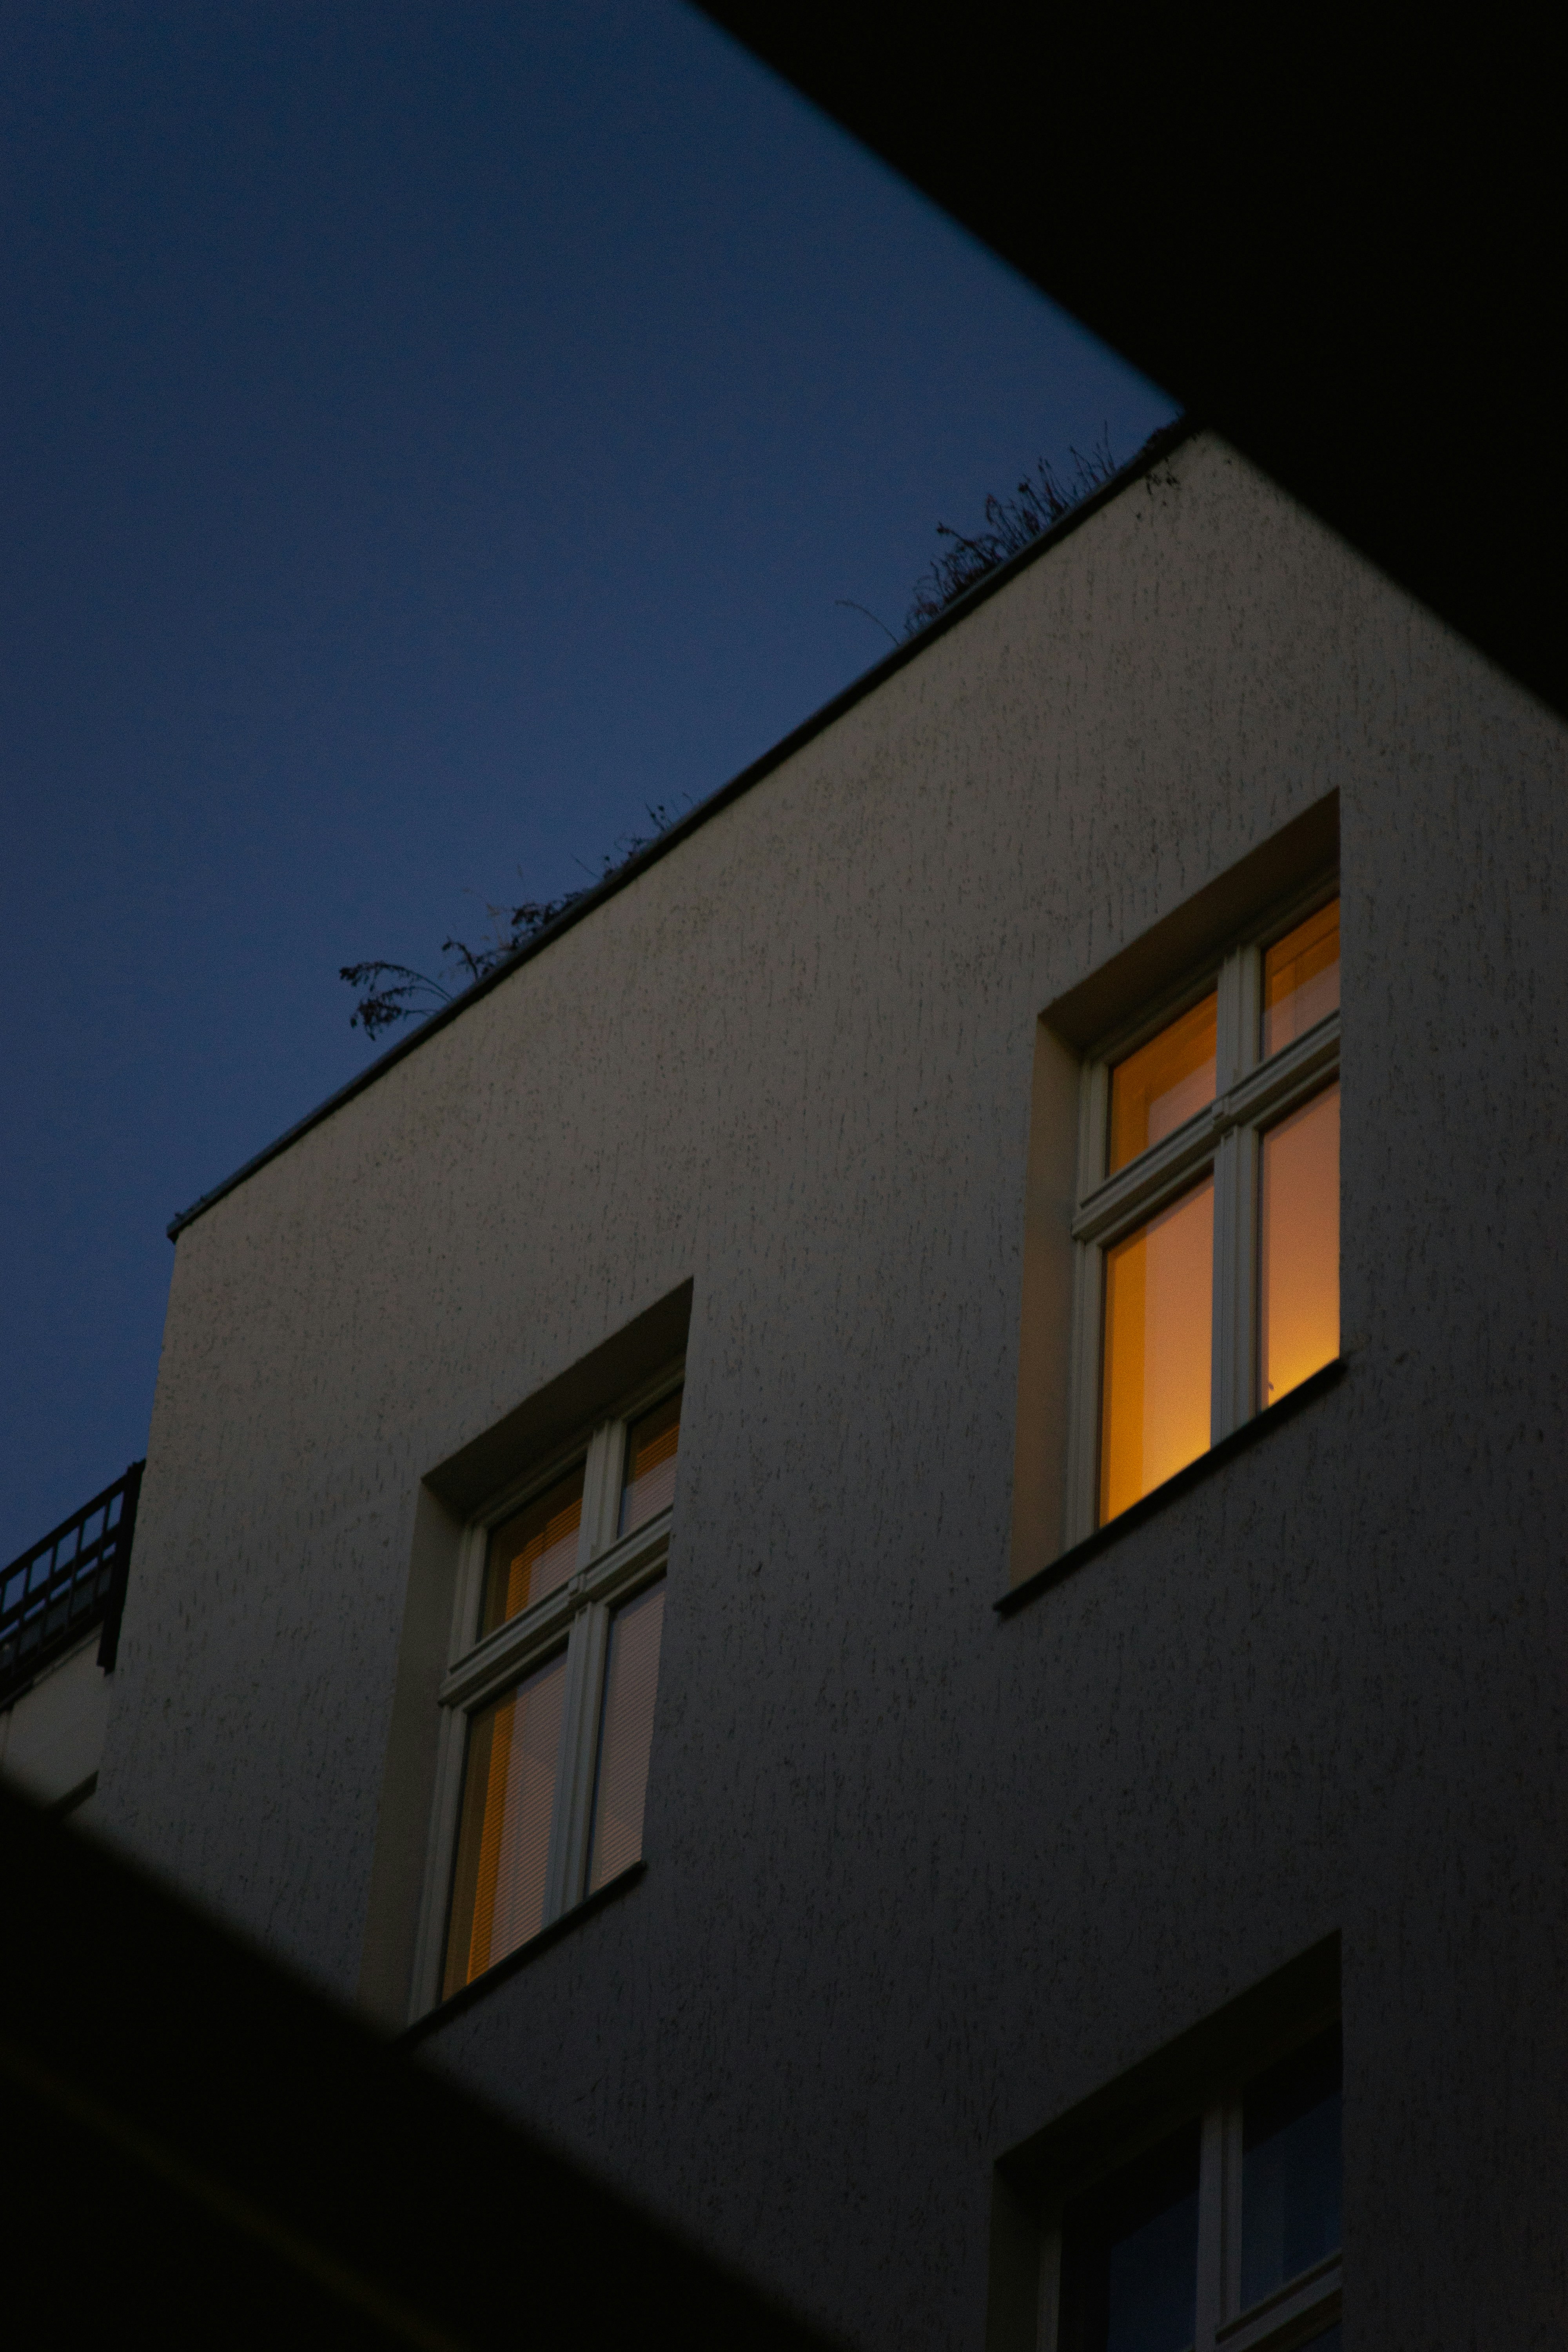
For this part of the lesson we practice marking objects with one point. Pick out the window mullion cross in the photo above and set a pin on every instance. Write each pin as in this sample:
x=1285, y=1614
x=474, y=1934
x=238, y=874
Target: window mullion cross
x=1149, y=1184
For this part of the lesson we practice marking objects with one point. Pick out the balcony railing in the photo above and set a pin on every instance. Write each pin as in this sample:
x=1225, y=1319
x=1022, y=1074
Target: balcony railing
x=62, y=1588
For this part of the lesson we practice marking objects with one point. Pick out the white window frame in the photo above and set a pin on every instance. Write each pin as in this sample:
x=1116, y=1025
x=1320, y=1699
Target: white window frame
x=1251, y=1095
x=1297, y=2311
x=611, y=1570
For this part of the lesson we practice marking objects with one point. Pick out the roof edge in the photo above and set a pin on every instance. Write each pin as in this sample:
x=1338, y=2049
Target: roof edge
x=1159, y=445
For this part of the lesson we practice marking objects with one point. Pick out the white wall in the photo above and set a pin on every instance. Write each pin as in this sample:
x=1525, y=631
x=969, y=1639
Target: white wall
x=920, y=1879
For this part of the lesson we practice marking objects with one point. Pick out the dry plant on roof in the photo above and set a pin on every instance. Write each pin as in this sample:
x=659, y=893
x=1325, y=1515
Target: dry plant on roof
x=1040, y=500
x=390, y=992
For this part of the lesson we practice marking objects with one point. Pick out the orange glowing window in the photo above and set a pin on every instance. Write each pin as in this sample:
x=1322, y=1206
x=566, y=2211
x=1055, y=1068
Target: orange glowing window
x=1299, y=1252
x=503, y=1839
x=1301, y=979
x=534, y=1552
x=647, y=1483
x=1158, y=1343
x=1159, y=1088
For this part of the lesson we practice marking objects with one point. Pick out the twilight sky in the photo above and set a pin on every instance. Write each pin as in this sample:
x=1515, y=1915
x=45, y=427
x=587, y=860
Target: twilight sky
x=431, y=430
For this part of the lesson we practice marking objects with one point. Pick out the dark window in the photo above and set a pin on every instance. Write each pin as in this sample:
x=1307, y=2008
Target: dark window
x=1290, y=2168
x=1129, y=2256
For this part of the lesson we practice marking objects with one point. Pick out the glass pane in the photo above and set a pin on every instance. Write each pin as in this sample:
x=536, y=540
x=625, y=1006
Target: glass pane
x=1298, y=1246
x=1159, y=1337
x=1290, y=2169
x=503, y=1839
x=1163, y=1084
x=1301, y=978
x=648, y=1485
x=1130, y=2257
x=533, y=1553
x=631, y=1679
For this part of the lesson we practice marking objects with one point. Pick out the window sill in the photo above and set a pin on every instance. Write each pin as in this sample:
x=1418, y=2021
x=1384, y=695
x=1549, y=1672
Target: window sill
x=465, y=1997
x=1076, y=1555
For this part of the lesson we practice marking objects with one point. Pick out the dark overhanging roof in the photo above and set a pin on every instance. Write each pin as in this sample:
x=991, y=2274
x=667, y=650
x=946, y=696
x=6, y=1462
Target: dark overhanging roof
x=204, y=2145
x=1158, y=446
x=1337, y=237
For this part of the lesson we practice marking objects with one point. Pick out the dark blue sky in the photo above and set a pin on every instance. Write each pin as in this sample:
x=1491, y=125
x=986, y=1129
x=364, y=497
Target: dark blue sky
x=430, y=433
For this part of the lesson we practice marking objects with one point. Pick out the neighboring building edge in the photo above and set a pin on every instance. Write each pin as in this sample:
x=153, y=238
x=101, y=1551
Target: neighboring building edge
x=62, y=1602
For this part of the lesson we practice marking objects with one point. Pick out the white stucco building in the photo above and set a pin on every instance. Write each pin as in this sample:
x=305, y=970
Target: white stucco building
x=881, y=1538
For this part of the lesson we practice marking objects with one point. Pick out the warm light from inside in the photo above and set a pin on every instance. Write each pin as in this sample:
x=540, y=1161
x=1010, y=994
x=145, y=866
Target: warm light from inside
x=1160, y=1086
x=649, y=1482
x=531, y=1554
x=1299, y=1317
x=503, y=1839
x=1159, y=1339
x=1301, y=978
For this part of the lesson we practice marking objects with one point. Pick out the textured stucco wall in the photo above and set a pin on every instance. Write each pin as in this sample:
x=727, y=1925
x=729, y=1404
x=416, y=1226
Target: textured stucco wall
x=920, y=1879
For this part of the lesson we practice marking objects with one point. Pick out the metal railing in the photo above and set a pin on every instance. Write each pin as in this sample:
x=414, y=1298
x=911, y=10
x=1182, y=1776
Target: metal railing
x=59, y=1588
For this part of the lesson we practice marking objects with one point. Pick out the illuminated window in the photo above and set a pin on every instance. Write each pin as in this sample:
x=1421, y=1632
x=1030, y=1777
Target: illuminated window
x=1299, y=1245
x=1158, y=1327
x=626, y=1735
x=1208, y=1219
x=549, y=1710
x=1164, y=1083
x=533, y=1552
x=1226, y=2231
x=509, y=1800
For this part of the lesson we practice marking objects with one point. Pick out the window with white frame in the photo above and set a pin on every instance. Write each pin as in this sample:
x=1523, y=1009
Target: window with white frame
x=1207, y=1232
x=548, y=1710
x=1224, y=2236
